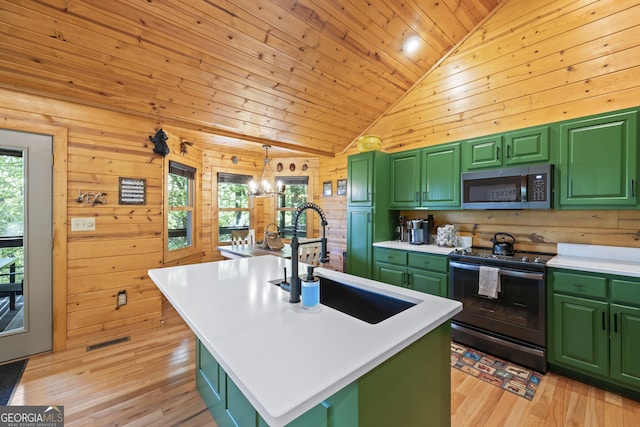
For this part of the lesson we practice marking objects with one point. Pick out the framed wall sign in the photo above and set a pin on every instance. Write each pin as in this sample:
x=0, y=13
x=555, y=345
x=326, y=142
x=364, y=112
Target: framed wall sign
x=133, y=191
x=341, y=189
x=326, y=188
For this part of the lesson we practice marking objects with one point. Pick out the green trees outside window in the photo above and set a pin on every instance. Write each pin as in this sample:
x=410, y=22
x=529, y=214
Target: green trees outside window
x=181, y=198
x=295, y=195
x=233, y=204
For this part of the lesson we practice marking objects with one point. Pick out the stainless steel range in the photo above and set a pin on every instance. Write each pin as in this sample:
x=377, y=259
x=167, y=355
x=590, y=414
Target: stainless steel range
x=504, y=304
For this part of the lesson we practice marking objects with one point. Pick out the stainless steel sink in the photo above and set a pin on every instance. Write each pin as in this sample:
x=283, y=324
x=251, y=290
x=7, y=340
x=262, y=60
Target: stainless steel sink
x=362, y=304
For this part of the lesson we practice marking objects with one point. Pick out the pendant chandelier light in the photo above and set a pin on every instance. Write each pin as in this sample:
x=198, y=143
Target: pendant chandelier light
x=267, y=185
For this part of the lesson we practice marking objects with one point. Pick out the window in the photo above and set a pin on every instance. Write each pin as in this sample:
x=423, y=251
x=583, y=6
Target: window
x=295, y=194
x=233, y=204
x=181, y=198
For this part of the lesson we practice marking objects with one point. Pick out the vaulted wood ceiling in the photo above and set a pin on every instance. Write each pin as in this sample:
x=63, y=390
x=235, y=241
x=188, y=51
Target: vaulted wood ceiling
x=307, y=76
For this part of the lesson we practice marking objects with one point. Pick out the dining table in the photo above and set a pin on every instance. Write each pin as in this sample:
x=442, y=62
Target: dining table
x=249, y=251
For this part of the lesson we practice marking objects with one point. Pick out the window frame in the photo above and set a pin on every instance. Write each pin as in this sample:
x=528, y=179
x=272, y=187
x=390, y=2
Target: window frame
x=242, y=179
x=194, y=207
x=287, y=181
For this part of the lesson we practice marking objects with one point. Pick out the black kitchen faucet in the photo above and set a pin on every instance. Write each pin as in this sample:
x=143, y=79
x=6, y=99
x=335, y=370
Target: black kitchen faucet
x=294, y=295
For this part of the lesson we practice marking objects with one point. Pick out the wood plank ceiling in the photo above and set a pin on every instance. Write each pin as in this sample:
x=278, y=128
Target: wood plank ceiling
x=307, y=76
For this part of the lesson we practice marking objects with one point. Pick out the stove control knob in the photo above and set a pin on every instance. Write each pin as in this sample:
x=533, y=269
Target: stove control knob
x=537, y=260
x=525, y=259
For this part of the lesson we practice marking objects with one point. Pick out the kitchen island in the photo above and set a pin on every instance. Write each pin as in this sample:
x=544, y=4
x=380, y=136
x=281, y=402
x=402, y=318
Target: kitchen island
x=258, y=352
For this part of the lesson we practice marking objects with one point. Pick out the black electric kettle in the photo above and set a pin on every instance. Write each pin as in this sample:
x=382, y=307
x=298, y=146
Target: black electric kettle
x=503, y=247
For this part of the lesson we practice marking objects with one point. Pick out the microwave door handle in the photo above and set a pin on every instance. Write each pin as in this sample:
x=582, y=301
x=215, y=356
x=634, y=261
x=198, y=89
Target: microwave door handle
x=523, y=188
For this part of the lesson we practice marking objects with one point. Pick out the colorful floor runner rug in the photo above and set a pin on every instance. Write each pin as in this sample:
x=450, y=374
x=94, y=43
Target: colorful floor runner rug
x=508, y=376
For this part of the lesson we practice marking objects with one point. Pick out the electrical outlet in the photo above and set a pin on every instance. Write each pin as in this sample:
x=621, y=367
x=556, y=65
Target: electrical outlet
x=122, y=298
x=83, y=224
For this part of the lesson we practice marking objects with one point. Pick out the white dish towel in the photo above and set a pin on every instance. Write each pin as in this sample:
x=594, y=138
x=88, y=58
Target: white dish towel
x=489, y=283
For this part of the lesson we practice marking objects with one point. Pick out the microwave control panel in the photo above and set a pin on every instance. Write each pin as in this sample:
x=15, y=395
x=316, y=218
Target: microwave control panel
x=537, y=187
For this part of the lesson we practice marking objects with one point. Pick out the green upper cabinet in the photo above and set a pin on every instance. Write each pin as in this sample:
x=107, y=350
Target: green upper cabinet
x=426, y=178
x=405, y=179
x=527, y=146
x=598, y=164
x=441, y=176
x=360, y=179
x=482, y=153
x=519, y=147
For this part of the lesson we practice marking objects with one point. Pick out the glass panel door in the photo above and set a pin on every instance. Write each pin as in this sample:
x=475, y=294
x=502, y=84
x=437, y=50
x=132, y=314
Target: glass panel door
x=26, y=175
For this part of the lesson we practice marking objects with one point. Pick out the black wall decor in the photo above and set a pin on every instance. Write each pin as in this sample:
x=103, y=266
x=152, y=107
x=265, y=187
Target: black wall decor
x=160, y=142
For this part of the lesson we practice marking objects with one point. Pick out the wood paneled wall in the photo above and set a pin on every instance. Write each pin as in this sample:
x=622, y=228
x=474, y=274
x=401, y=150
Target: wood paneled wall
x=101, y=147
x=262, y=209
x=530, y=62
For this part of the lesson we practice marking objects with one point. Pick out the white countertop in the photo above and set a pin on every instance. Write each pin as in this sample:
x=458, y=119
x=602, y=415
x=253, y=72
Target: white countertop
x=598, y=259
x=284, y=358
x=432, y=249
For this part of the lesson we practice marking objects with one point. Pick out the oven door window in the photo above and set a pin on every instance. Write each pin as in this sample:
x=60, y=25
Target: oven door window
x=518, y=311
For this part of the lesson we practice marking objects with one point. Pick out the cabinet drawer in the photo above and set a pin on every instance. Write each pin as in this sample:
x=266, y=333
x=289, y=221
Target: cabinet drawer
x=580, y=284
x=428, y=261
x=391, y=256
x=625, y=292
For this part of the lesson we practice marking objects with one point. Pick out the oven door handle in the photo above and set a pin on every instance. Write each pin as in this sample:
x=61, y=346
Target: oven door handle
x=503, y=271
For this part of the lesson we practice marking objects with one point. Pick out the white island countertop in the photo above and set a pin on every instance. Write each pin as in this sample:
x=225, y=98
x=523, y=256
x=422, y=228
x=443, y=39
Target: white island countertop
x=284, y=358
x=598, y=259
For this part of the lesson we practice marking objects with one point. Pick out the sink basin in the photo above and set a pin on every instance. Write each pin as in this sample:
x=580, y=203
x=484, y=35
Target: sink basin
x=368, y=306
x=362, y=304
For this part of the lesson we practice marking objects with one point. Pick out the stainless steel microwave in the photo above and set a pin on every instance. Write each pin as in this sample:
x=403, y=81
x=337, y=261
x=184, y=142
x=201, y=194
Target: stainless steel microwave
x=526, y=187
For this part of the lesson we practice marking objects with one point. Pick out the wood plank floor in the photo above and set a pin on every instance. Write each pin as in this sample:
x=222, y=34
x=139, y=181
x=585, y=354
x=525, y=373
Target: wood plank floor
x=150, y=381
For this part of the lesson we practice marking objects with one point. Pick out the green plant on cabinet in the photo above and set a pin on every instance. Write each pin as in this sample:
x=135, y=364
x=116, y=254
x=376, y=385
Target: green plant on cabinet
x=598, y=162
x=513, y=148
x=414, y=270
x=594, y=327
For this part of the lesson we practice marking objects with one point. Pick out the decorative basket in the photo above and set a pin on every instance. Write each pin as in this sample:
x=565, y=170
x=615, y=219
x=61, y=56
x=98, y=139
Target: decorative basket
x=272, y=238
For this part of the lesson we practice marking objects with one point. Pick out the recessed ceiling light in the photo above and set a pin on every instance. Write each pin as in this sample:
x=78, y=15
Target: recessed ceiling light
x=411, y=44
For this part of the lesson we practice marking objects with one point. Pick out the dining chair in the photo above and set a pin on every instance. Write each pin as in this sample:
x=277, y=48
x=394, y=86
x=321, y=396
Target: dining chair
x=243, y=237
x=309, y=253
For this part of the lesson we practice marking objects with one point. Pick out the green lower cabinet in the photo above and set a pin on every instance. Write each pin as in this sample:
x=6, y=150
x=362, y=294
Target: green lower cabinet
x=230, y=408
x=594, y=328
x=411, y=388
x=391, y=274
x=423, y=272
x=625, y=344
x=428, y=282
x=581, y=337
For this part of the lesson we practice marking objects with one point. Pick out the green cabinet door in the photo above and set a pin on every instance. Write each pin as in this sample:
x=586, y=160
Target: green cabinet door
x=405, y=179
x=360, y=179
x=480, y=153
x=391, y=274
x=428, y=282
x=625, y=344
x=441, y=176
x=581, y=337
x=529, y=145
x=359, y=241
x=598, y=161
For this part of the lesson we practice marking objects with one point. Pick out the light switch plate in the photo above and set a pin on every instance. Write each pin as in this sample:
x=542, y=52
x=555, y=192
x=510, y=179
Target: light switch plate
x=83, y=224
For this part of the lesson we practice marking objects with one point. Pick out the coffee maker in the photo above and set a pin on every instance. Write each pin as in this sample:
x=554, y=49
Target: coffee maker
x=416, y=232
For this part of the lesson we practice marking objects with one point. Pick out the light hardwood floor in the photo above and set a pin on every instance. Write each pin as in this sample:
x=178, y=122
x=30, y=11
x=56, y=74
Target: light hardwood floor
x=149, y=381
